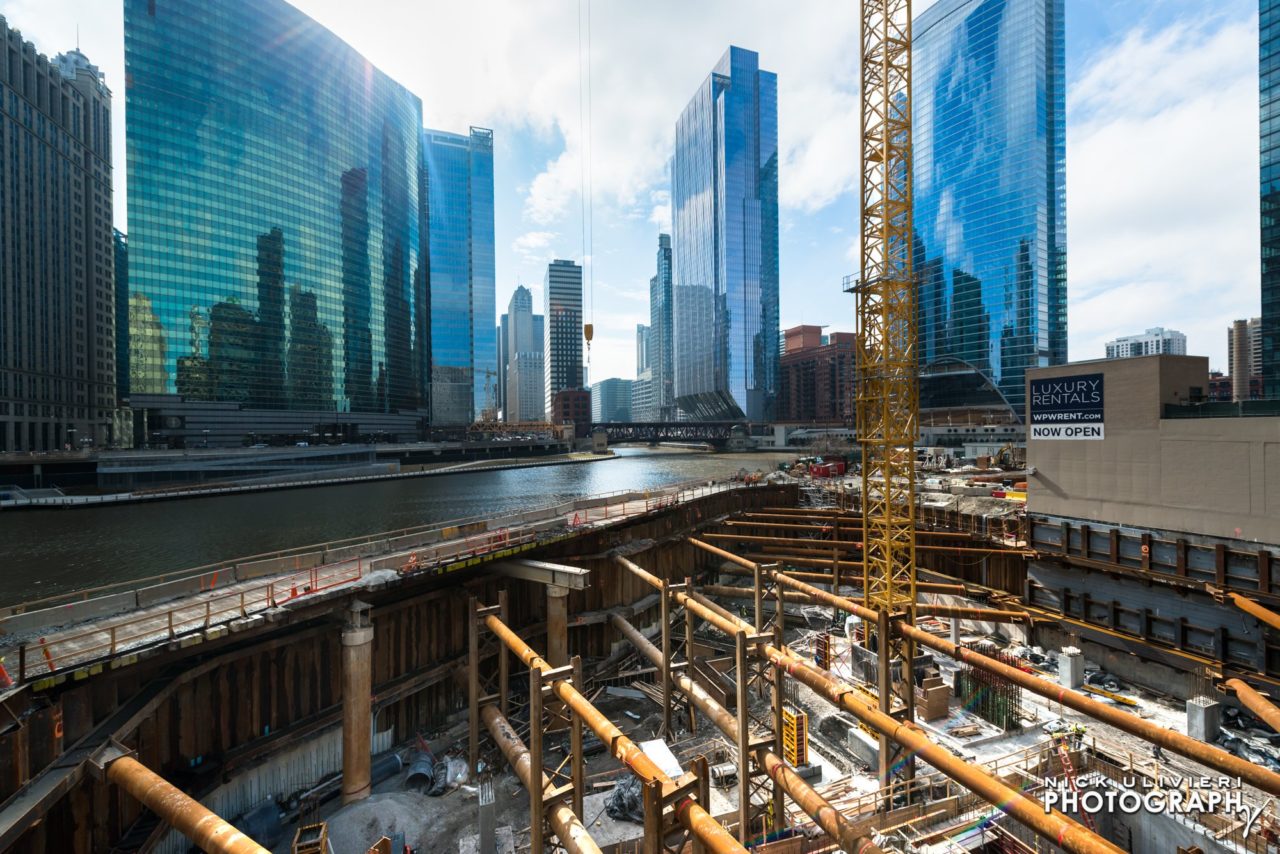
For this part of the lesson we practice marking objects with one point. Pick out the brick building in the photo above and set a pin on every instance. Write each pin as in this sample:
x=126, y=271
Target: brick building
x=816, y=376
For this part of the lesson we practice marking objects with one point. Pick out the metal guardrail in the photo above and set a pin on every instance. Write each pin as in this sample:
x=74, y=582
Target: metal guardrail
x=65, y=652
x=88, y=593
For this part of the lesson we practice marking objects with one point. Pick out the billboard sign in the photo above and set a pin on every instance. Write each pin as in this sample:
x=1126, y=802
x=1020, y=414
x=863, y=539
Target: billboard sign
x=1067, y=407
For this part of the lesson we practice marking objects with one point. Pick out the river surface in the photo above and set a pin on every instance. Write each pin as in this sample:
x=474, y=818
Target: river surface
x=48, y=552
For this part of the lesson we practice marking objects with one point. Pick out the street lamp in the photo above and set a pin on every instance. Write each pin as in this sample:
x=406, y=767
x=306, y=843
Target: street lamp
x=206, y=437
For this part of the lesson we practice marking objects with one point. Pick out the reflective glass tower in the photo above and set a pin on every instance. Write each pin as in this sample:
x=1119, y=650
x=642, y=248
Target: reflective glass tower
x=273, y=213
x=990, y=200
x=464, y=347
x=1269, y=83
x=724, y=196
x=661, y=349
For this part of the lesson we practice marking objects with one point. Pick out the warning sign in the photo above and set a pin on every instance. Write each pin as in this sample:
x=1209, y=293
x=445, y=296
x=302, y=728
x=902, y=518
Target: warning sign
x=1067, y=407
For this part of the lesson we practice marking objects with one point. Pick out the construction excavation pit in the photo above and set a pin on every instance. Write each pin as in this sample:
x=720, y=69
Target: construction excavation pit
x=676, y=672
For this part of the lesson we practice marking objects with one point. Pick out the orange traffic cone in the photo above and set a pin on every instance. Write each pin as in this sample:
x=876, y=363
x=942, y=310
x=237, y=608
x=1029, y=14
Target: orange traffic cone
x=6, y=681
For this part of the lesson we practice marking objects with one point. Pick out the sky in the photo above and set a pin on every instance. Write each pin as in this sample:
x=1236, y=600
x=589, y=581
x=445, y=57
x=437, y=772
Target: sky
x=1162, y=142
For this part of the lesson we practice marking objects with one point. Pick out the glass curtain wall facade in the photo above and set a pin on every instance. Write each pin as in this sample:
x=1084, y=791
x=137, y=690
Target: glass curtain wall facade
x=274, y=217
x=464, y=348
x=724, y=188
x=990, y=200
x=661, y=350
x=562, y=340
x=1269, y=104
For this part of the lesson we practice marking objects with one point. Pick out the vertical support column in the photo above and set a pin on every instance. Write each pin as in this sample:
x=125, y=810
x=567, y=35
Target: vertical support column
x=578, y=771
x=665, y=670
x=835, y=559
x=473, y=686
x=758, y=595
x=688, y=652
x=652, y=794
x=504, y=658
x=357, y=699
x=557, y=625
x=744, y=739
x=703, y=770
x=884, y=686
x=536, y=792
x=779, y=697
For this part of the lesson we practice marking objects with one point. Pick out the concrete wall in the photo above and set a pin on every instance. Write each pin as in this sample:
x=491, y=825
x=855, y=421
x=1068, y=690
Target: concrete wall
x=1211, y=476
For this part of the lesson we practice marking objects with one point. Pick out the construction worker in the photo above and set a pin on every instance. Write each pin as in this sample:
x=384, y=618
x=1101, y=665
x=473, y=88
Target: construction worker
x=1077, y=735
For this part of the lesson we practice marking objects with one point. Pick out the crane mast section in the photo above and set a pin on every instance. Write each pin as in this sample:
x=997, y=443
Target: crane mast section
x=888, y=393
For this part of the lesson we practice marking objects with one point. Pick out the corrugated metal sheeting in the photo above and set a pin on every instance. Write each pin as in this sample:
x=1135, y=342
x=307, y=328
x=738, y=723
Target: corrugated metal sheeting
x=289, y=771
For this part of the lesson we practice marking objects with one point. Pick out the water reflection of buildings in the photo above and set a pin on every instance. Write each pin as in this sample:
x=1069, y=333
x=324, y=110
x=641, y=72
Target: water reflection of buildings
x=989, y=173
x=278, y=284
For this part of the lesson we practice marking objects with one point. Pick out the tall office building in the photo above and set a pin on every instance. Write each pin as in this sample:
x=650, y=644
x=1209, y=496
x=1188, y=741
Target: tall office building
x=990, y=210
x=1244, y=338
x=642, y=347
x=503, y=358
x=525, y=399
x=661, y=350
x=562, y=347
x=464, y=356
x=57, y=300
x=611, y=401
x=1153, y=342
x=724, y=198
x=274, y=226
x=1269, y=97
x=120, y=259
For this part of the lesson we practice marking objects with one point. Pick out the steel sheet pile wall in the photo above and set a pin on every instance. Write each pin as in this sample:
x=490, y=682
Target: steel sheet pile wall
x=230, y=708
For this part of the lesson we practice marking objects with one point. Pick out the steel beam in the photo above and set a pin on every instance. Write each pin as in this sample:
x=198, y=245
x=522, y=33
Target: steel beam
x=693, y=816
x=542, y=572
x=1209, y=755
x=1055, y=827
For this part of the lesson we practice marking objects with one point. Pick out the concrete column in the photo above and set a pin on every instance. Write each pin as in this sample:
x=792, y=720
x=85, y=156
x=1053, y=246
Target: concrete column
x=557, y=625
x=1204, y=719
x=357, y=699
x=955, y=630
x=1070, y=667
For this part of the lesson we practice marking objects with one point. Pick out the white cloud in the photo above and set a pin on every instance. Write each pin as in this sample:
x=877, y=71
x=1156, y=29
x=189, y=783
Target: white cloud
x=1162, y=187
x=660, y=212
x=532, y=244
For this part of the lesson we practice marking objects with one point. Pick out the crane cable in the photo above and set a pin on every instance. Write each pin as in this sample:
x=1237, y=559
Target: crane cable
x=586, y=192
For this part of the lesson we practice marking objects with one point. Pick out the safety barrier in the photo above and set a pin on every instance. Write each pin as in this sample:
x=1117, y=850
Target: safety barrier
x=310, y=572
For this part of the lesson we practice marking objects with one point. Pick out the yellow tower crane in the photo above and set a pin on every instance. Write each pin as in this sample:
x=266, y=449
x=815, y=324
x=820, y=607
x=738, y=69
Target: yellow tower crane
x=887, y=391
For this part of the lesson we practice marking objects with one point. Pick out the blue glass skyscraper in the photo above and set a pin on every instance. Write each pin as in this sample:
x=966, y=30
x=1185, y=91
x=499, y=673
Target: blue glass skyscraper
x=1269, y=98
x=724, y=198
x=464, y=355
x=990, y=199
x=274, y=257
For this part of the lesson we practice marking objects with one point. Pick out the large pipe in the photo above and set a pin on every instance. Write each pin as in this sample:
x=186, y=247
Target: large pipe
x=1214, y=757
x=853, y=545
x=692, y=815
x=176, y=808
x=1053, y=826
x=827, y=578
x=839, y=828
x=964, y=612
x=827, y=526
x=1253, y=609
x=1255, y=702
x=568, y=827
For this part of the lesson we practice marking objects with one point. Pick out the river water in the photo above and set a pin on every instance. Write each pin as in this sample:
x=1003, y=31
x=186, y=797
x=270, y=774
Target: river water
x=48, y=552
